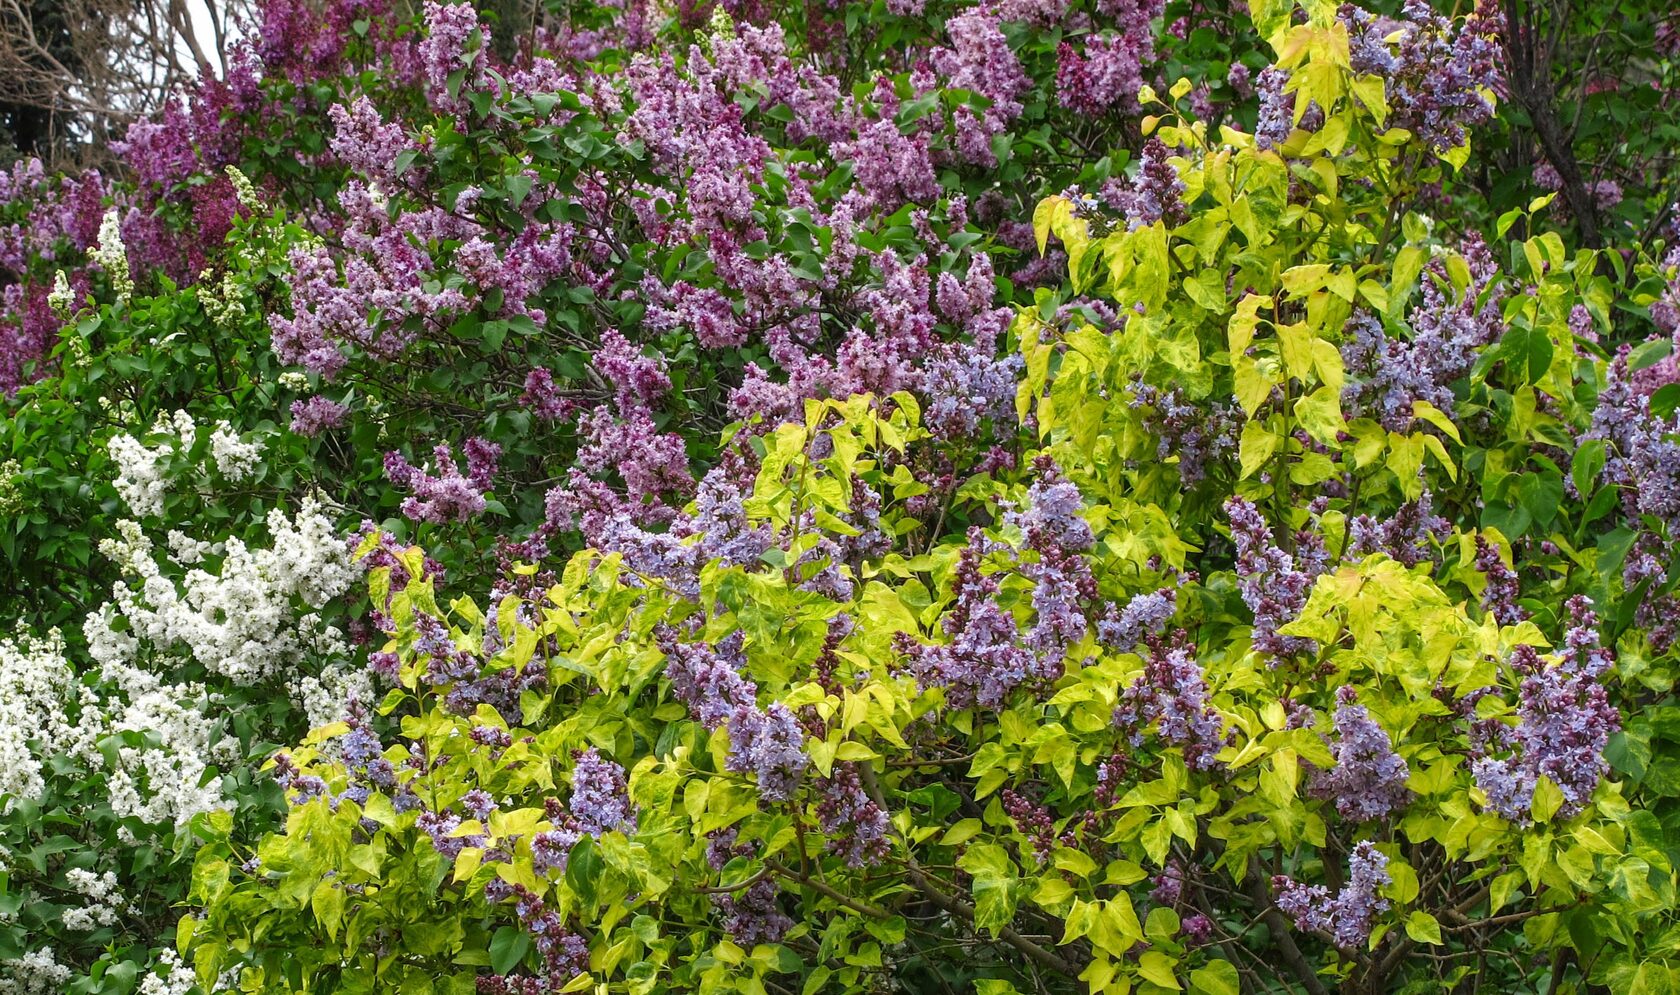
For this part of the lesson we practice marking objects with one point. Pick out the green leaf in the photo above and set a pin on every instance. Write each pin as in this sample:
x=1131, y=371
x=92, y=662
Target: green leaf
x=1258, y=444
x=1216, y=977
x=327, y=903
x=1548, y=798
x=1422, y=927
x=508, y=948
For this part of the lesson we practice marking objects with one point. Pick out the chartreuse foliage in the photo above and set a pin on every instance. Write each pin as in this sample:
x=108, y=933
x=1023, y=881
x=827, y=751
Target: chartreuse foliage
x=353, y=897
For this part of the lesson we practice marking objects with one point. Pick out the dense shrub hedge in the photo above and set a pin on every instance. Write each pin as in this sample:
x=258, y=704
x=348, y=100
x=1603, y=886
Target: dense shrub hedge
x=1026, y=496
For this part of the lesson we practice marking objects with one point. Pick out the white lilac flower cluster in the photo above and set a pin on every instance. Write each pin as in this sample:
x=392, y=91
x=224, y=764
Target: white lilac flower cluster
x=239, y=623
x=141, y=480
x=105, y=901
x=38, y=701
x=112, y=255
x=37, y=972
x=236, y=459
x=142, y=471
x=176, y=979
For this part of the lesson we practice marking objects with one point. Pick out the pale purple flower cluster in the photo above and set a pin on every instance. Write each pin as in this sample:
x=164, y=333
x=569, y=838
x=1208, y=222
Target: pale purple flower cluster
x=1405, y=536
x=1565, y=719
x=1369, y=779
x=388, y=279
x=600, y=795
x=364, y=141
x=1274, y=582
x=1500, y=595
x=1198, y=433
x=623, y=439
x=1348, y=916
x=1435, y=76
x=984, y=660
x=542, y=397
x=1386, y=375
x=441, y=493
x=1643, y=457
x=316, y=414
x=966, y=383
x=754, y=915
x=1155, y=193
x=565, y=954
x=1106, y=75
x=452, y=64
x=1146, y=614
x=769, y=743
x=1172, y=695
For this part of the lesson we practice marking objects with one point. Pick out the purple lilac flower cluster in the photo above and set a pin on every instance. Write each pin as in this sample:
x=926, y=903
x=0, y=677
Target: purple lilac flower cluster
x=565, y=954
x=1387, y=374
x=316, y=414
x=441, y=493
x=1369, y=779
x=1056, y=530
x=766, y=742
x=1106, y=74
x=984, y=660
x=1348, y=916
x=1274, y=582
x=600, y=795
x=855, y=826
x=754, y=914
x=1500, y=595
x=1643, y=458
x=1277, y=109
x=1564, y=720
x=1156, y=193
x=1197, y=433
x=1437, y=77
x=1172, y=695
x=1145, y=615
x=1406, y=536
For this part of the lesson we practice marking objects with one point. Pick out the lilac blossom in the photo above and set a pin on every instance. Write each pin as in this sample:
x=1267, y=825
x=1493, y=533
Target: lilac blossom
x=313, y=415
x=1106, y=74
x=1406, y=536
x=600, y=798
x=1387, y=374
x=440, y=492
x=984, y=661
x=1500, y=595
x=1197, y=433
x=754, y=915
x=855, y=827
x=1172, y=695
x=1436, y=79
x=1348, y=916
x=1643, y=451
x=1274, y=582
x=1156, y=193
x=1369, y=779
x=1564, y=721
x=709, y=679
x=770, y=744
x=1146, y=614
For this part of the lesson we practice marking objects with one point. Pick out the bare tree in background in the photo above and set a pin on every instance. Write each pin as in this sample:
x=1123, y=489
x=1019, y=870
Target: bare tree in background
x=74, y=73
